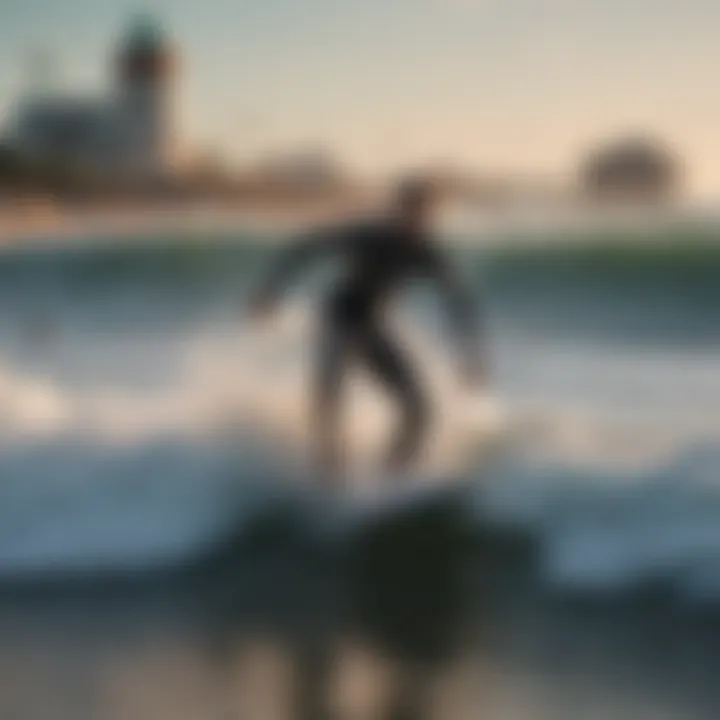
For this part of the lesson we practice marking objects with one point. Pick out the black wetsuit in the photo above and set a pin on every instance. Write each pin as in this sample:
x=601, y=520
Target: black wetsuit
x=379, y=258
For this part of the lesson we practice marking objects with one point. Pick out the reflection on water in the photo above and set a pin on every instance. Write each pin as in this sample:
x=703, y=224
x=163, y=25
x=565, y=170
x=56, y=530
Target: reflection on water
x=309, y=629
x=415, y=618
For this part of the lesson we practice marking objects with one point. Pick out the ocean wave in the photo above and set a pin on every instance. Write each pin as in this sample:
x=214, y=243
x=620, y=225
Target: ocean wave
x=663, y=257
x=97, y=477
x=613, y=533
x=606, y=290
x=76, y=499
x=103, y=468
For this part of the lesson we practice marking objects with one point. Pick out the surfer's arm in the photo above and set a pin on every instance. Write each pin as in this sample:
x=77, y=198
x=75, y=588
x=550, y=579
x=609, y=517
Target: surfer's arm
x=307, y=249
x=463, y=309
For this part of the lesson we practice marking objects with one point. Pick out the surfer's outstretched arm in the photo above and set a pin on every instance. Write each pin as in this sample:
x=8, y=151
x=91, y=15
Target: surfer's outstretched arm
x=463, y=309
x=306, y=249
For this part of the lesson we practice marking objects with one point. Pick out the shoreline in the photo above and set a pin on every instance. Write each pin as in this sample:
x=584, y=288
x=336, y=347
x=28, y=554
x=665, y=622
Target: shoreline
x=49, y=225
x=43, y=223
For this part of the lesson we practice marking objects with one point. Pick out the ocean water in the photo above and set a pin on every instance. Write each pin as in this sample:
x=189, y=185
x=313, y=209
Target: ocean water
x=143, y=416
x=146, y=425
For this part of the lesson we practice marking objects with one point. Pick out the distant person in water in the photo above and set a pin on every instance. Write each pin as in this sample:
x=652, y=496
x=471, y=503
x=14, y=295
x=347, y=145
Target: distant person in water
x=379, y=257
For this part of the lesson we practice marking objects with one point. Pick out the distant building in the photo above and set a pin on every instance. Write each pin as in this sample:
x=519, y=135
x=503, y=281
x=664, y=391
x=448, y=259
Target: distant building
x=634, y=169
x=65, y=130
x=145, y=130
x=127, y=133
x=304, y=172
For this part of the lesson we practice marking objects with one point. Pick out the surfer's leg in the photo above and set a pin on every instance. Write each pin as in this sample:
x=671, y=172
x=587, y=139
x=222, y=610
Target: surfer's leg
x=388, y=363
x=331, y=365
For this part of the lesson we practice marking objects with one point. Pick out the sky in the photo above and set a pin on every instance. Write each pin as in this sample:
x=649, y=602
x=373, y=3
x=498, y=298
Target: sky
x=489, y=85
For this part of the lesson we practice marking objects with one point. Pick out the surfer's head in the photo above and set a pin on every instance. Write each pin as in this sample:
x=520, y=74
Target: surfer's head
x=415, y=199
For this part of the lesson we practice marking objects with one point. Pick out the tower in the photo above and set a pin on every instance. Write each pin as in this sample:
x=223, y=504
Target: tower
x=145, y=70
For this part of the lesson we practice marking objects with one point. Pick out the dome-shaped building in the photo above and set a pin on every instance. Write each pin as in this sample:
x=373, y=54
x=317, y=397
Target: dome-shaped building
x=634, y=169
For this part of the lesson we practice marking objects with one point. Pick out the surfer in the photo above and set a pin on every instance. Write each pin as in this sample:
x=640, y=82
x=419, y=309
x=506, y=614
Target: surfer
x=379, y=256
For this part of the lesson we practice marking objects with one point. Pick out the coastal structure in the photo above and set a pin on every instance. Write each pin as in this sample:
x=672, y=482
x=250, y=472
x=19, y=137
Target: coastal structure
x=632, y=169
x=304, y=171
x=128, y=133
